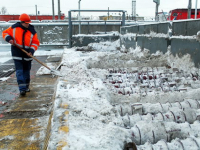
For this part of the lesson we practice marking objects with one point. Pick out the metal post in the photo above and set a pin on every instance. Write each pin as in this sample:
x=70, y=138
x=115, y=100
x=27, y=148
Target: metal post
x=123, y=18
x=88, y=28
x=58, y=9
x=189, y=9
x=134, y=10
x=79, y=16
x=36, y=12
x=196, y=9
x=105, y=27
x=156, y=14
x=53, y=10
x=108, y=13
x=70, y=29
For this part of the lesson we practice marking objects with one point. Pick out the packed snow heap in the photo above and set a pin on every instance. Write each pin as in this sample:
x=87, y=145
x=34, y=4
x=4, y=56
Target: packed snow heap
x=108, y=99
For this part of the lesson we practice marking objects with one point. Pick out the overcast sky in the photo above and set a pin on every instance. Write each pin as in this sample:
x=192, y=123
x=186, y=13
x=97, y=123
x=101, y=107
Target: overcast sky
x=143, y=7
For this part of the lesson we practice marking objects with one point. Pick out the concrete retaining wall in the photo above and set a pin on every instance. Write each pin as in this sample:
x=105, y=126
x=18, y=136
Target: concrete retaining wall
x=47, y=33
x=129, y=29
x=57, y=33
x=186, y=46
x=153, y=44
x=128, y=42
x=92, y=29
x=186, y=28
x=146, y=29
x=180, y=44
x=83, y=40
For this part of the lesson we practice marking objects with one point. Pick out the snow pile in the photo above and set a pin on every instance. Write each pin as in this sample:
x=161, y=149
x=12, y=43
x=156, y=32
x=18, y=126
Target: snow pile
x=104, y=46
x=85, y=109
x=43, y=70
x=90, y=113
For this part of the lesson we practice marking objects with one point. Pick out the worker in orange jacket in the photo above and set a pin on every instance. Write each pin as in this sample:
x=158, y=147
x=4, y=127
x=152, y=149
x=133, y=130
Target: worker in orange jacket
x=23, y=35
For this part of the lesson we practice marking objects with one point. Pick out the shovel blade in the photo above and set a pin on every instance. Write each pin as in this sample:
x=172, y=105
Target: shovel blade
x=56, y=72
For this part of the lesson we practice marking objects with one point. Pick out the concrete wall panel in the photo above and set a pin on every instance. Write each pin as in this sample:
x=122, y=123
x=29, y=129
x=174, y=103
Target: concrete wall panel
x=128, y=42
x=141, y=29
x=186, y=46
x=85, y=40
x=153, y=44
x=92, y=29
x=186, y=28
x=150, y=28
x=154, y=28
x=163, y=28
x=135, y=29
x=193, y=27
x=123, y=30
x=52, y=34
x=58, y=33
x=147, y=29
x=1, y=38
x=179, y=28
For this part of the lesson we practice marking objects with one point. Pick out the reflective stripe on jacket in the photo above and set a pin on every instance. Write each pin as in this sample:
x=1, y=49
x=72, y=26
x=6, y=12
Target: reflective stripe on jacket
x=25, y=38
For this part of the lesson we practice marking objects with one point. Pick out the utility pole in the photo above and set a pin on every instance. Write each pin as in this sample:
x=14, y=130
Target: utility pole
x=79, y=16
x=58, y=9
x=134, y=10
x=156, y=15
x=36, y=12
x=196, y=9
x=189, y=9
x=53, y=10
x=157, y=5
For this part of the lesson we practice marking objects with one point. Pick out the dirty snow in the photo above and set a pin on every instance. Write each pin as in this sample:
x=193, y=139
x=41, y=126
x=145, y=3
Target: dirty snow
x=85, y=116
x=86, y=106
x=43, y=70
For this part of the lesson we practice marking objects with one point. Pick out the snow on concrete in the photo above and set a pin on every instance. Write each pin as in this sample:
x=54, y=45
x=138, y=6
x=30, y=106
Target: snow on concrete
x=43, y=70
x=86, y=106
x=5, y=56
x=113, y=33
x=87, y=111
x=4, y=78
x=4, y=59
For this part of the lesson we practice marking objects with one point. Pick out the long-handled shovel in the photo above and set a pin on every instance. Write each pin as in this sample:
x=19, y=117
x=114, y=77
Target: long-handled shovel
x=54, y=72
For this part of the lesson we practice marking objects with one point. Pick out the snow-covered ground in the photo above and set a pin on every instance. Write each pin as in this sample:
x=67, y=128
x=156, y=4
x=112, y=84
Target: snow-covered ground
x=104, y=94
x=107, y=98
x=6, y=56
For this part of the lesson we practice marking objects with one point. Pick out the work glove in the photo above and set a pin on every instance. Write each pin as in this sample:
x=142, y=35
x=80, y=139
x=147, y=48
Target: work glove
x=31, y=50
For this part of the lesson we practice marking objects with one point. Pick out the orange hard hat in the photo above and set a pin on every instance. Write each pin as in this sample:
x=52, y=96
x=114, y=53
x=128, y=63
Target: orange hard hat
x=25, y=18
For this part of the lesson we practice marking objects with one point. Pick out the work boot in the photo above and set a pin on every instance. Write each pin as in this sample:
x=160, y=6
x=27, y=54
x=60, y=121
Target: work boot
x=28, y=90
x=22, y=93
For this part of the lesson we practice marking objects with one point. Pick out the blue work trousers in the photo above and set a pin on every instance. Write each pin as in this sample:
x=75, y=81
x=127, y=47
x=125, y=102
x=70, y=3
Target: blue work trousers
x=23, y=73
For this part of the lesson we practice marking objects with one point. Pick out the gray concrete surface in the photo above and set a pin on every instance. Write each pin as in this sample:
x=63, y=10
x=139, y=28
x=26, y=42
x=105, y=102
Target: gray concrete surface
x=182, y=39
x=57, y=33
x=26, y=119
x=82, y=40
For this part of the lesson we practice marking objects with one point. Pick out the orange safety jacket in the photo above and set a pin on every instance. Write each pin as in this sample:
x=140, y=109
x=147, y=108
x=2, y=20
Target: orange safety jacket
x=25, y=38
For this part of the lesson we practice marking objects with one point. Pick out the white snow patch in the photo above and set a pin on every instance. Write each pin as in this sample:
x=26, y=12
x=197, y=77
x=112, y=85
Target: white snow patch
x=4, y=78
